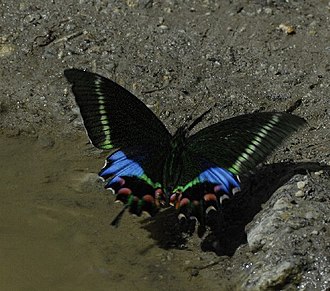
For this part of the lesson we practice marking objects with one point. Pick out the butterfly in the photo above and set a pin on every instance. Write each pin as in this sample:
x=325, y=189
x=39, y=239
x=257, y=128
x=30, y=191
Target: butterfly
x=149, y=168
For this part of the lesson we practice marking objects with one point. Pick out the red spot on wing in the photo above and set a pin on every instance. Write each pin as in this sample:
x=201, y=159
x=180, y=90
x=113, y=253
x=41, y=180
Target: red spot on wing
x=148, y=198
x=210, y=197
x=125, y=191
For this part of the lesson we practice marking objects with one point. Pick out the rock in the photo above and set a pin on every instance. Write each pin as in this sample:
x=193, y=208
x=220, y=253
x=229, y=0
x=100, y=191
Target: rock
x=286, y=240
x=259, y=235
x=301, y=185
x=275, y=275
x=87, y=182
x=299, y=193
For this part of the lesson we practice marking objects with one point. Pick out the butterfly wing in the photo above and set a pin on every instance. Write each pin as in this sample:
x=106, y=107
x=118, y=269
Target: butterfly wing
x=240, y=143
x=218, y=153
x=115, y=119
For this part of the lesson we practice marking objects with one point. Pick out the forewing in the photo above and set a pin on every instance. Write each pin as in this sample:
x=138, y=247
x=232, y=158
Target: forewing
x=240, y=143
x=113, y=117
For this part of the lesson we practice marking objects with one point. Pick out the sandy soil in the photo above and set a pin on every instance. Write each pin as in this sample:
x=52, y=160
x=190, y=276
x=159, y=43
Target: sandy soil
x=180, y=58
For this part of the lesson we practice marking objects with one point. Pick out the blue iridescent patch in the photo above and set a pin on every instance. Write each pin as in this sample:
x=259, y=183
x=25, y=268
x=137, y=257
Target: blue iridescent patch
x=118, y=165
x=217, y=175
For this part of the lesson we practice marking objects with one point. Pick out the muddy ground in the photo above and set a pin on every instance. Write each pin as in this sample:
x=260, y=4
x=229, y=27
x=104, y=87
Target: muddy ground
x=180, y=58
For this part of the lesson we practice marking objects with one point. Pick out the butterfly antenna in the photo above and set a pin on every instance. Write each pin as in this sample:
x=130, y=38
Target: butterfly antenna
x=117, y=219
x=199, y=119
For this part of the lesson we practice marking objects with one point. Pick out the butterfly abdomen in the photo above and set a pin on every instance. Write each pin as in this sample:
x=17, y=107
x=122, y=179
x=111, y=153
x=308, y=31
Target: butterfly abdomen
x=174, y=160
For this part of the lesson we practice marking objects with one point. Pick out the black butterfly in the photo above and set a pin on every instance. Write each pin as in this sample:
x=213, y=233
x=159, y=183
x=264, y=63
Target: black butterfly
x=150, y=167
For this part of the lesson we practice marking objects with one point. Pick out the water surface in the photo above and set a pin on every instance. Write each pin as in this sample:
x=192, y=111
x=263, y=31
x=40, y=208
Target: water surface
x=55, y=232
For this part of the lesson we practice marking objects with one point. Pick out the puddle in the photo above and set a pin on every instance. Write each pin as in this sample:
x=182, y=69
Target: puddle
x=55, y=232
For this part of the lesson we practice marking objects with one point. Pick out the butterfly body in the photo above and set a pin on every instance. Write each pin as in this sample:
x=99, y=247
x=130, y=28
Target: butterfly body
x=172, y=168
x=150, y=167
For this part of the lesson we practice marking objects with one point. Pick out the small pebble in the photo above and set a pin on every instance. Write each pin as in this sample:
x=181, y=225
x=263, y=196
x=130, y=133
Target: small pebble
x=194, y=272
x=288, y=29
x=309, y=215
x=6, y=49
x=314, y=232
x=301, y=185
x=319, y=173
x=169, y=256
x=299, y=193
x=268, y=10
x=163, y=27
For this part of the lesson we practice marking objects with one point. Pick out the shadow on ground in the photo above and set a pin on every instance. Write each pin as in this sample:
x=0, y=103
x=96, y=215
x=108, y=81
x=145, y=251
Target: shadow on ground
x=236, y=214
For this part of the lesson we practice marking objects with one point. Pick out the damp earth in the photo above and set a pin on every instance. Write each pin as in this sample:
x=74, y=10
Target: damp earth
x=181, y=58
